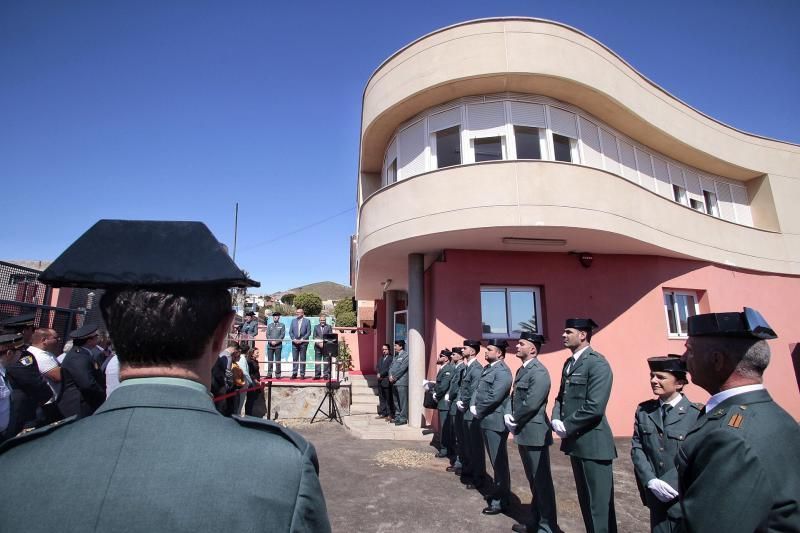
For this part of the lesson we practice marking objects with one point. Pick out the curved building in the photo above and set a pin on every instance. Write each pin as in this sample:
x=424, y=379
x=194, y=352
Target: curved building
x=515, y=172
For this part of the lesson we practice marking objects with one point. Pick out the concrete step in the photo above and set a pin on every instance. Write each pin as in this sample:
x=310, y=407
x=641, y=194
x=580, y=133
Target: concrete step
x=369, y=427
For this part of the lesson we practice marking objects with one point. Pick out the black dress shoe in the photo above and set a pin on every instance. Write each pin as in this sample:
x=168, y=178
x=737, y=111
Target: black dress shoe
x=519, y=528
x=450, y=468
x=380, y=416
x=458, y=471
x=469, y=486
x=400, y=422
x=440, y=455
x=492, y=510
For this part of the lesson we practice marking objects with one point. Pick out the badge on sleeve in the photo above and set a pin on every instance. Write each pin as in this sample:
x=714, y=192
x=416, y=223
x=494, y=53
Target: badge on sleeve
x=26, y=360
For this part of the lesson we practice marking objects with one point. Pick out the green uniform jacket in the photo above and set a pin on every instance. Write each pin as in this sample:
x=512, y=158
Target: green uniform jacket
x=581, y=406
x=455, y=385
x=399, y=369
x=529, y=404
x=159, y=457
x=469, y=384
x=739, y=468
x=443, y=379
x=654, y=446
x=491, y=398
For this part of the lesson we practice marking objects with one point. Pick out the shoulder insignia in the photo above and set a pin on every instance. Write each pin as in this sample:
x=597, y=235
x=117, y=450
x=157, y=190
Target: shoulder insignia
x=35, y=433
x=699, y=406
x=26, y=360
x=736, y=421
x=267, y=425
x=648, y=403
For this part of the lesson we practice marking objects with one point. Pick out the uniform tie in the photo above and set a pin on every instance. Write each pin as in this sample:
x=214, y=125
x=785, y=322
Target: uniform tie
x=665, y=408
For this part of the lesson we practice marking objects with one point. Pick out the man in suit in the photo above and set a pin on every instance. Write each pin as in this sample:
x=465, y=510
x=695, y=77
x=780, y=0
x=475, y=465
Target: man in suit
x=741, y=457
x=473, y=464
x=320, y=330
x=249, y=330
x=299, y=331
x=579, y=418
x=83, y=387
x=276, y=331
x=456, y=417
x=133, y=465
x=489, y=405
x=398, y=377
x=528, y=422
x=444, y=376
x=386, y=407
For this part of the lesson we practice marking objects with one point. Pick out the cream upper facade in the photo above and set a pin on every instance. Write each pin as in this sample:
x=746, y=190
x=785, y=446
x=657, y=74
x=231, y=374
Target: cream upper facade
x=559, y=146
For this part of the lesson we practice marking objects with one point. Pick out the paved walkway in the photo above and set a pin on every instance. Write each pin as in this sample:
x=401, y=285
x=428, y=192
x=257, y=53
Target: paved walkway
x=399, y=486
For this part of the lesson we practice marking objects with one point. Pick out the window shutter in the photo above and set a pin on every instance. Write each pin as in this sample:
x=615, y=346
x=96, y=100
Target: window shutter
x=391, y=154
x=563, y=123
x=486, y=120
x=663, y=186
x=693, y=186
x=725, y=201
x=628, y=162
x=610, y=154
x=411, y=148
x=590, y=136
x=676, y=174
x=525, y=114
x=645, y=166
x=741, y=205
x=444, y=120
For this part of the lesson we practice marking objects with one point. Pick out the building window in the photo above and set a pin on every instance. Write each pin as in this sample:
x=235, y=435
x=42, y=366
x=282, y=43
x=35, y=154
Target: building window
x=562, y=147
x=528, y=142
x=679, y=306
x=448, y=147
x=697, y=205
x=711, y=203
x=679, y=194
x=391, y=172
x=488, y=149
x=508, y=311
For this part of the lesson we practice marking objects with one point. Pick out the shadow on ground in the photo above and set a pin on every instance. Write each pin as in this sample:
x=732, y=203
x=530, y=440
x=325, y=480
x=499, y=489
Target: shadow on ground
x=399, y=486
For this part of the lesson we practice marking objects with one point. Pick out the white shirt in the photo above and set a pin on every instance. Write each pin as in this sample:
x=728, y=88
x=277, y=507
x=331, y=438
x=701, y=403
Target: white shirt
x=720, y=397
x=5, y=400
x=528, y=362
x=575, y=357
x=112, y=375
x=46, y=362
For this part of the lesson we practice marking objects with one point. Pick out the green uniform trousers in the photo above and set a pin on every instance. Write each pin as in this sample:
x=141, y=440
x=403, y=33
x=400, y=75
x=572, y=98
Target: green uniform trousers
x=495, y=442
x=595, y=484
x=536, y=462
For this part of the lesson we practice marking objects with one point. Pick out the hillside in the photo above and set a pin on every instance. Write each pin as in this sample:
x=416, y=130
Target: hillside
x=327, y=290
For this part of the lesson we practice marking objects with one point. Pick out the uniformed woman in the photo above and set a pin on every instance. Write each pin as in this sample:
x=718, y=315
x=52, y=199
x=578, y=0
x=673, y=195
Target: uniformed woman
x=660, y=426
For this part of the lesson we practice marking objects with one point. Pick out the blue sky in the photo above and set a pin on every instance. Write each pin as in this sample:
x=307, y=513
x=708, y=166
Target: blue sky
x=179, y=109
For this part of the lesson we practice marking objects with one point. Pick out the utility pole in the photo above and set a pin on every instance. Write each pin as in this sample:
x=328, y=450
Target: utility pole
x=235, y=229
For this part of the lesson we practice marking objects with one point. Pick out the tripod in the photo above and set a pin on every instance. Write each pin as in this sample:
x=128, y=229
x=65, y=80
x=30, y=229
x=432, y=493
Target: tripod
x=333, y=413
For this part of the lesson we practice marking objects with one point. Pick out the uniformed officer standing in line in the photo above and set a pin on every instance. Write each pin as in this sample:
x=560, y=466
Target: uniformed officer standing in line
x=531, y=428
x=83, y=386
x=443, y=379
x=10, y=349
x=738, y=466
x=579, y=418
x=456, y=416
x=659, y=427
x=33, y=401
x=473, y=464
x=276, y=331
x=398, y=377
x=489, y=404
x=133, y=465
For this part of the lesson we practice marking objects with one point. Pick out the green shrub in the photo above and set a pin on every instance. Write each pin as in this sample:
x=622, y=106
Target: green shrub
x=346, y=319
x=288, y=298
x=309, y=302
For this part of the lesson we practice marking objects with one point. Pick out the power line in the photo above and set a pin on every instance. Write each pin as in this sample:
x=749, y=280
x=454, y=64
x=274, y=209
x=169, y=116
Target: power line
x=298, y=230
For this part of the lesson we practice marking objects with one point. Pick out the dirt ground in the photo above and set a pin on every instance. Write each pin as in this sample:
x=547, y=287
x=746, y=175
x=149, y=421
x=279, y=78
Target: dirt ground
x=399, y=486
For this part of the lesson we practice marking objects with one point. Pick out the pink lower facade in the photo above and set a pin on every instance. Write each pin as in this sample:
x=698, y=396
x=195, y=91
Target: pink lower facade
x=624, y=294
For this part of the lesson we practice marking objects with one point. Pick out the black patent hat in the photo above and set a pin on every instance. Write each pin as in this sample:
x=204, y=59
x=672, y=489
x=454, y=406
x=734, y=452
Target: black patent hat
x=11, y=340
x=475, y=345
x=671, y=363
x=500, y=344
x=445, y=353
x=19, y=322
x=580, y=323
x=144, y=253
x=532, y=337
x=83, y=332
x=747, y=324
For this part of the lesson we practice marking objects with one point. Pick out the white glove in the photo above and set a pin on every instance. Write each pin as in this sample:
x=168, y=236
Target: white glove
x=447, y=397
x=663, y=490
x=434, y=397
x=460, y=405
x=558, y=427
x=473, y=410
x=509, y=422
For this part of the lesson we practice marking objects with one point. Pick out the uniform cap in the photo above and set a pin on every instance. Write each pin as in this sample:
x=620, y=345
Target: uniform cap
x=475, y=345
x=445, y=353
x=671, y=363
x=458, y=349
x=747, y=324
x=19, y=322
x=11, y=340
x=500, y=344
x=532, y=337
x=143, y=253
x=83, y=332
x=580, y=323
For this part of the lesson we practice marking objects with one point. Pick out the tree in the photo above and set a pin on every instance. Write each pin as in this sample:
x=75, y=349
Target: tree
x=288, y=298
x=345, y=304
x=346, y=319
x=309, y=302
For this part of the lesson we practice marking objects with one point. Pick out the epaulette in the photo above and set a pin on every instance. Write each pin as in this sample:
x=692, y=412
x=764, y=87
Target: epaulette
x=35, y=434
x=699, y=406
x=267, y=425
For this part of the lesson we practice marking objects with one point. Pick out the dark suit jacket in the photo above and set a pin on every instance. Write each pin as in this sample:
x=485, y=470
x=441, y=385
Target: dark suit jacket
x=741, y=460
x=384, y=364
x=581, y=406
x=319, y=331
x=28, y=391
x=304, y=331
x=492, y=396
x=529, y=404
x=158, y=457
x=82, y=389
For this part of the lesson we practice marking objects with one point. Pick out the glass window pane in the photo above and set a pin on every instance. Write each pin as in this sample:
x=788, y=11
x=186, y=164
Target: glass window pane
x=685, y=310
x=697, y=205
x=679, y=193
x=488, y=149
x=562, y=148
x=527, y=141
x=523, y=311
x=669, y=306
x=391, y=172
x=448, y=147
x=711, y=203
x=493, y=312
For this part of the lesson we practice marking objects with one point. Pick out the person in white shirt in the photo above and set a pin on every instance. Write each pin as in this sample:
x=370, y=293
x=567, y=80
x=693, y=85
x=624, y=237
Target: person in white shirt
x=112, y=375
x=44, y=342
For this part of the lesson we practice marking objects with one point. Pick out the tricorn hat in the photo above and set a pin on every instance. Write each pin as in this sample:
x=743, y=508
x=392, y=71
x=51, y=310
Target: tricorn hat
x=500, y=344
x=475, y=345
x=671, y=363
x=748, y=323
x=532, y=337
x=580, y=323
